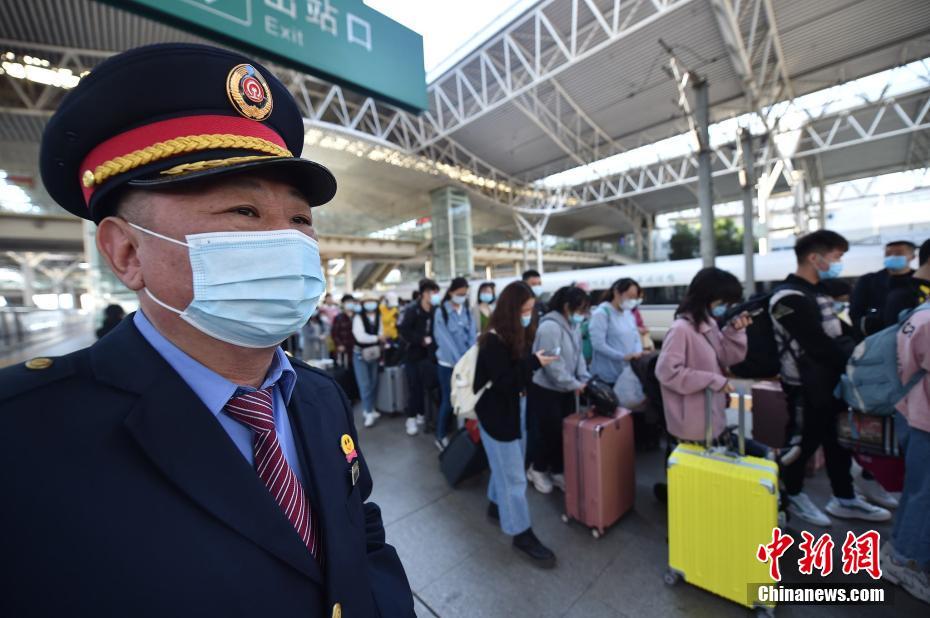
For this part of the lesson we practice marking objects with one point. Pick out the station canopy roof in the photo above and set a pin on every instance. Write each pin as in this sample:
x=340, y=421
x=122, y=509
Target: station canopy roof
x=576, y=81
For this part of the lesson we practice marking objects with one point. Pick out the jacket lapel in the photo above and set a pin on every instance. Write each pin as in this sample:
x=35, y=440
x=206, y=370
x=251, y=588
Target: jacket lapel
x=184, y=440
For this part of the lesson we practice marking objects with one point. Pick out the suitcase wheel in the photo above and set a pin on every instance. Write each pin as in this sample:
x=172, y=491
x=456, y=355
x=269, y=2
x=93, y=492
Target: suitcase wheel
x=565, y=518
x=670, y=577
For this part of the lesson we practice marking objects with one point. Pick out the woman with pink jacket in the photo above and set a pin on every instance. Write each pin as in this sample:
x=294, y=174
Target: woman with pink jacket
x=696, y=351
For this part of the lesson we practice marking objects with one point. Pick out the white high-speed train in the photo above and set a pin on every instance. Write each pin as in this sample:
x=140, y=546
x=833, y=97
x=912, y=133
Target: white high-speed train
x=664, y=283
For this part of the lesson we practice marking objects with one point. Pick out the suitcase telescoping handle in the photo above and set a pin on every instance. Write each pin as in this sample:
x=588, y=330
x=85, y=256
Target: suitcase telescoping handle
x=741, y=423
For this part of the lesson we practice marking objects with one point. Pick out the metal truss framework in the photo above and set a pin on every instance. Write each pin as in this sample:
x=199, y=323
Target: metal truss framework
x=530, y=83
x=524, y=58
x=870, y=122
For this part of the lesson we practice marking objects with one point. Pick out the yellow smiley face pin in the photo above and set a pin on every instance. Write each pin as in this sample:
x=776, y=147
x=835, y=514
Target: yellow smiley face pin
x=347, y=444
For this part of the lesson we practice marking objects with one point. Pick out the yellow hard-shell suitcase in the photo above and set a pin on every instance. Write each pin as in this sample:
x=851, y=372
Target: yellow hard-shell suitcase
x=721, y=507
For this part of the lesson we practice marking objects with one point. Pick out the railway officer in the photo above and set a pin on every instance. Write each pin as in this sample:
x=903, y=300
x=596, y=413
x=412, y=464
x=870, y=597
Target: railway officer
x=184, y=465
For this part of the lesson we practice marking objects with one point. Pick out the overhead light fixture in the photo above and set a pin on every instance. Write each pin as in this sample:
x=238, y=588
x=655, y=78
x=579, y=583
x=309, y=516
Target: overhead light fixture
x=38, y=70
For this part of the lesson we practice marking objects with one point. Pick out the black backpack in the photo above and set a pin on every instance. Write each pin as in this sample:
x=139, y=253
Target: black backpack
x=763, y=358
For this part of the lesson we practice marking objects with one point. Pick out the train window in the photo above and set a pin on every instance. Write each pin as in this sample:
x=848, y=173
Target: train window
x=668, y=295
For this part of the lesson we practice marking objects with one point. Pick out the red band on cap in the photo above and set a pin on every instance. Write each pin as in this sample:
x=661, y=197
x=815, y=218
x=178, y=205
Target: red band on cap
x=143, y=137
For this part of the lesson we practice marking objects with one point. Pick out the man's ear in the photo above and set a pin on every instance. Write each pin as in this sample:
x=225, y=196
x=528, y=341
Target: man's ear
x=118, y=244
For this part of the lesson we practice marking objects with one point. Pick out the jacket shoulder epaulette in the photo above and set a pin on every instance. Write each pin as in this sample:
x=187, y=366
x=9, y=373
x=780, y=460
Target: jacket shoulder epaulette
x=35, y=373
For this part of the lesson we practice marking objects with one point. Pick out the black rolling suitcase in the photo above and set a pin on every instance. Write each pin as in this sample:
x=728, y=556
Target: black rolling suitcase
x=464, y=457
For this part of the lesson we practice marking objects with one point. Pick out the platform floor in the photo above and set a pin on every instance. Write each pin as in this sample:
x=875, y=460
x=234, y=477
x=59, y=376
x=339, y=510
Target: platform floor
x=461, y=565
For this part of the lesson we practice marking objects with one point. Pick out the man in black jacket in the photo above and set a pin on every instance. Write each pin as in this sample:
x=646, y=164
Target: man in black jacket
x=815, y=348
x=415, y=328
x=866, y=307
x=915, y=292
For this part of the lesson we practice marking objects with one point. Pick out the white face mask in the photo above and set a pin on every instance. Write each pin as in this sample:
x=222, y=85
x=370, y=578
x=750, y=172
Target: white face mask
x=251, y=289
x=629, y=304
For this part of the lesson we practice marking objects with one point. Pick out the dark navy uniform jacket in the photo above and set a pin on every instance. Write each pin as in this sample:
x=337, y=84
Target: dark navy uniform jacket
x=123, y=496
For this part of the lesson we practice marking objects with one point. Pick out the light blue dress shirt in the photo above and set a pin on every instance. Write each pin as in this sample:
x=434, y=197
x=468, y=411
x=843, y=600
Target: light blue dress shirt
x=215, y=391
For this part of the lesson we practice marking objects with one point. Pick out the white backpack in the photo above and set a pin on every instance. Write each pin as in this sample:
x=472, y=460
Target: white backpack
x=463, y=396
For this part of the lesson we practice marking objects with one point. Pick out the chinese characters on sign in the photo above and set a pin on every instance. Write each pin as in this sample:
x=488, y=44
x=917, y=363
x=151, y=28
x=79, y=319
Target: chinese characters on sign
x=322, y=14
x=859, y=553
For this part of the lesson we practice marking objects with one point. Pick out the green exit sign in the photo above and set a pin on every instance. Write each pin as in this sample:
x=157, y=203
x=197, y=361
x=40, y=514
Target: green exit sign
x=342, y=41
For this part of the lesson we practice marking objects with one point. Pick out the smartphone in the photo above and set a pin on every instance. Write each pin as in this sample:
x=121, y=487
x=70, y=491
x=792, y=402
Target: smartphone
x=553, y=352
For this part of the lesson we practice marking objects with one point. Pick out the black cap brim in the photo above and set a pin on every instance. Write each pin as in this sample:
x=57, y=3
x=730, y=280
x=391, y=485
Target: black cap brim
x=313, y=180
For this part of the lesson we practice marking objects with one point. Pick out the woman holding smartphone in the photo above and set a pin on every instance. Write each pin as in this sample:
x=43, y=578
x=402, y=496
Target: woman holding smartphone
x=506, y=365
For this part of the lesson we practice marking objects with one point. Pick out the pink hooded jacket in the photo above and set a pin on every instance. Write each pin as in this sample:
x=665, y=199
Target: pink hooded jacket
x=913, y=355
x=689, y=363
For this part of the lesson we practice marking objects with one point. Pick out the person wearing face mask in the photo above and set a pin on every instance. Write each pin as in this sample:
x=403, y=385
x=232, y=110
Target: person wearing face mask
x=867, y=304
x=505, y=361
x=416, y=329
x=481, y=314
x=615, y=338
x=390, y=312
x=368, y=332
x=916, y=292
x=454, y=332
x=184, y=458
x=533, y=279
x=809, y=332
x=551, y=395
x=695, y=354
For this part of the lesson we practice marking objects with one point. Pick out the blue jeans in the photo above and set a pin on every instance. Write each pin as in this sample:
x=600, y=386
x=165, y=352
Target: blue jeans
x=507, y=485
x=911, y=534
x=366, y=374
x=445, y=405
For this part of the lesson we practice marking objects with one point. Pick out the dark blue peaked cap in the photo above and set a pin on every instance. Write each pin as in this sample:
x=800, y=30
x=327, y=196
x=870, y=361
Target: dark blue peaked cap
x=168, y=114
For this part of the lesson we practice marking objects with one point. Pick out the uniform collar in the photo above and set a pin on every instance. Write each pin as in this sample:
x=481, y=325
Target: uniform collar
x=210, y=387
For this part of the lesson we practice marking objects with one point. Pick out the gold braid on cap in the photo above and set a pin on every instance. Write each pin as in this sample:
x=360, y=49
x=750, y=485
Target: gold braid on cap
x=183, y=145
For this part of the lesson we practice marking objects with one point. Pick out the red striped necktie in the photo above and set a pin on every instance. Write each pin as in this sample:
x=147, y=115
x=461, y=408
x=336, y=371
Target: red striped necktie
x=255, y=410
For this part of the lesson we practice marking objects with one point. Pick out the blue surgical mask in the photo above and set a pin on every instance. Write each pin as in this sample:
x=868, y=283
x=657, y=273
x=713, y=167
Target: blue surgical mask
x=435, y=299
x=526, y=320
x=371, y=306
x=719, y=311
x=251, y=289
x=834, y=270
x=629, y=304
x=486, y=297
x=577, y=318
x=537, y=290
x=838, y=307
x=459, y=299
x=895, y=262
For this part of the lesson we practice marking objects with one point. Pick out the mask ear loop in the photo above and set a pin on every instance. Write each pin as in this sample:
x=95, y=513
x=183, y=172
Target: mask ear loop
x=157, y=235
x=166, y=306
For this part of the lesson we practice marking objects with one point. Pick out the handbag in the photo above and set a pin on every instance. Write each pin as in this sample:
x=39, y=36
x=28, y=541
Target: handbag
x=866, y=433
x=371, y=353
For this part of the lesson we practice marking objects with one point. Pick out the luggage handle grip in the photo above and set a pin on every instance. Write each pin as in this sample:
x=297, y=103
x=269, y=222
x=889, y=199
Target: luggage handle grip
x=741, y=423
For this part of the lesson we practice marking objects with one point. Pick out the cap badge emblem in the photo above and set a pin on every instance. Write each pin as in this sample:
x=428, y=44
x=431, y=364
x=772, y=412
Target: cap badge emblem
x=248, y=92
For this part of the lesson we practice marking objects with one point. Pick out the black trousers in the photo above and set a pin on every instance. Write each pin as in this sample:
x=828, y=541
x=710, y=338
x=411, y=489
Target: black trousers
x=545, y=410
x=421, y=377
x=818, y=409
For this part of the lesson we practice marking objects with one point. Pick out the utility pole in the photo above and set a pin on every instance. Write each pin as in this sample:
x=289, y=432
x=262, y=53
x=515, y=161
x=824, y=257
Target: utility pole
x=705, y=188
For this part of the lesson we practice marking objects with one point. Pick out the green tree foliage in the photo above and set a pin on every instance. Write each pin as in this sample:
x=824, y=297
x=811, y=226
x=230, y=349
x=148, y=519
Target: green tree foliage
x=686, y=240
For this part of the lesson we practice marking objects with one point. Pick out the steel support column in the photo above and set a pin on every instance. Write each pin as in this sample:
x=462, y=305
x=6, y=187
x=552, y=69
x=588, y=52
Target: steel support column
x=746, y=183
x=705, y=188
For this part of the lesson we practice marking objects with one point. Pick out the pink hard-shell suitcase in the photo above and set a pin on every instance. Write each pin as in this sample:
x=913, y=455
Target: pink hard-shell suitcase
x=599, y=468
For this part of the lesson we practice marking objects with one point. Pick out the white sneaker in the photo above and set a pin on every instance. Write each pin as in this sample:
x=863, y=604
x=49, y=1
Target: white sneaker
x=801, y=507
x=441, y=444
x=540, y=481
x=871, y=490
x=558, y=480
x=412, y=428
x=421, y=420
x=371, y=418
x=905, y=574
x=857, y=508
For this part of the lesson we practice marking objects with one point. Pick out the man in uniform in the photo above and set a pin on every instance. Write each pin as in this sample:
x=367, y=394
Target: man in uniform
x=184, y=465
